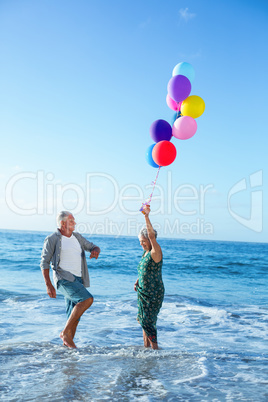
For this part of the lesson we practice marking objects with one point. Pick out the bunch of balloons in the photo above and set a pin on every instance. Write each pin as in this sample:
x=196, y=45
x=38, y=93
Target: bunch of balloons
x=187, y=107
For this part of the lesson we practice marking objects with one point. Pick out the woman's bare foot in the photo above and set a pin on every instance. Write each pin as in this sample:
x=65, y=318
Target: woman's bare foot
x=67, y=340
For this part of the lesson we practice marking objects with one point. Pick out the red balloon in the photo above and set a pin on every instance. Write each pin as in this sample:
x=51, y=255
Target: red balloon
x=164, y=153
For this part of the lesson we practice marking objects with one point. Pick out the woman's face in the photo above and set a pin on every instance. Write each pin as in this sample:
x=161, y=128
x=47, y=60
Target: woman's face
x=145, y=243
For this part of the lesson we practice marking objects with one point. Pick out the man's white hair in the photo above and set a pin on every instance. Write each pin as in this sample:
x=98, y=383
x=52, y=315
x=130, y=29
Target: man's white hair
x=62, y=216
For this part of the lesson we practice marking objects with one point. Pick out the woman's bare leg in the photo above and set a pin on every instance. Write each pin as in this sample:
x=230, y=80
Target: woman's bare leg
x=154, y=345
x=146, y=340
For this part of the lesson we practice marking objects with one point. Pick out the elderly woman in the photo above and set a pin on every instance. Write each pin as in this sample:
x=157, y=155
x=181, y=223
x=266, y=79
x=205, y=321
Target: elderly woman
x=149, y=285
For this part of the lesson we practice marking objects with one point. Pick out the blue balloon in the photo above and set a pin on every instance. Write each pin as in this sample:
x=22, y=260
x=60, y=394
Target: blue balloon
x=149, y=157
x=175, y=117
x=185, y=69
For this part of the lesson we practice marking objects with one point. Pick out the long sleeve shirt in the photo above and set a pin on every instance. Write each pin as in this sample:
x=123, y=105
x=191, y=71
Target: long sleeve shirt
x=51, y=255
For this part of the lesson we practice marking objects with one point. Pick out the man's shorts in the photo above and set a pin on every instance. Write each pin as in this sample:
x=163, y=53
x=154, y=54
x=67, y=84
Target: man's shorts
x=73, y=292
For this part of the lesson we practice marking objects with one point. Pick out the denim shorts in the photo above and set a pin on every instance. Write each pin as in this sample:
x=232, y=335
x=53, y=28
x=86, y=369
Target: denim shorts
x=73, y=292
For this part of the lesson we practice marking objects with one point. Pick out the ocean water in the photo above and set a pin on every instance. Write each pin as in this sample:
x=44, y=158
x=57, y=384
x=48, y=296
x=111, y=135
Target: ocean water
x=212, y=328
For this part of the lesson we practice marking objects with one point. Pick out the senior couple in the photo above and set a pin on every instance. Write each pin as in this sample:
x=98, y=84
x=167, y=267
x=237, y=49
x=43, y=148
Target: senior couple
x=65, y=250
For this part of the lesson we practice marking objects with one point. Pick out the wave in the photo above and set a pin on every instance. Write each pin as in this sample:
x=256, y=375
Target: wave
x=128, y=373
x=171, y=365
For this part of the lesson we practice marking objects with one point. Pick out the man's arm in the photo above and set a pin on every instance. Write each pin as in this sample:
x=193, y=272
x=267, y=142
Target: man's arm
x=88, y=246
x=95, y=252
x=50, y=288
x=46, y=256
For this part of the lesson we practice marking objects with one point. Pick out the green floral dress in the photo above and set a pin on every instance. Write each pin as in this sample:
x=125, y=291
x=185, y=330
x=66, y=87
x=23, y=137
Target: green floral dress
x=150, y=292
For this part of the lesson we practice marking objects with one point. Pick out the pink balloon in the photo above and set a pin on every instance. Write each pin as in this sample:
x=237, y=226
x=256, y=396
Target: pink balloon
x=184, y=128
x=172, y=104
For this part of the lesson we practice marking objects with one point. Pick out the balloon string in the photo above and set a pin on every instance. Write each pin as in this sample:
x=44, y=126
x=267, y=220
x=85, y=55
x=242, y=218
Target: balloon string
x=150, y=197
x=154, y=183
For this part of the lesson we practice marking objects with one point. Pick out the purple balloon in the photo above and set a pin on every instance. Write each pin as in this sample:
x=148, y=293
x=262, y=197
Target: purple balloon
x=160, y=130
x=179, y=88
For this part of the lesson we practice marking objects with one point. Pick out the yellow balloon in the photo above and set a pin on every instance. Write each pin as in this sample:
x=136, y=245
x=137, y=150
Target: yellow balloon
x=193, y=106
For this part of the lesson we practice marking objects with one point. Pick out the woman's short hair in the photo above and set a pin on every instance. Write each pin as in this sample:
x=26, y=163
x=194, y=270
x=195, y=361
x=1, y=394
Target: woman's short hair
x=144, y=233
x=62, y=216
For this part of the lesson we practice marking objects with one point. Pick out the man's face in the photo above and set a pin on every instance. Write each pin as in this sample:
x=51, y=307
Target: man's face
x=69, y=224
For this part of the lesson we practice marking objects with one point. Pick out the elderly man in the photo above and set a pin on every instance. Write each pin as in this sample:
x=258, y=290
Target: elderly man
x=65, y=250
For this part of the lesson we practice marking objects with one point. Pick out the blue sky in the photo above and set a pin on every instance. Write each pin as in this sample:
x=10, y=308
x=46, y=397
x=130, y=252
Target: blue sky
x=81, y=83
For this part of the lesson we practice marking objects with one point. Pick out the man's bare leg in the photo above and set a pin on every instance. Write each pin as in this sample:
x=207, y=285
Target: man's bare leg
x=68, y=333
x=74, y=330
